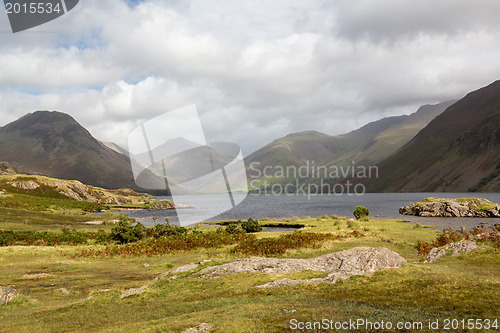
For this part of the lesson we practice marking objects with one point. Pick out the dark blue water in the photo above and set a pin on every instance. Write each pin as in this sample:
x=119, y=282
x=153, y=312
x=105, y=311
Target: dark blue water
x=381, y=205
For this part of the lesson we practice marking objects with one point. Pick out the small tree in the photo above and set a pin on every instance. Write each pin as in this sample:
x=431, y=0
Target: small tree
x=125, y=233
x=166, y=229
x=234, y=228
x=361, y=213
x=251, y=226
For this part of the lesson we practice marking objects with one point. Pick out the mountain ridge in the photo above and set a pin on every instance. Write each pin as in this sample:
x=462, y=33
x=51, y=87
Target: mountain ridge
x=54, y=144
x=366, y=145
x=458, y=151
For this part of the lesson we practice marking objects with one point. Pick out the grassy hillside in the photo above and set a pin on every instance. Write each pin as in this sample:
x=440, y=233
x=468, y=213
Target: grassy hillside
x=31, y=202
x=457, y=152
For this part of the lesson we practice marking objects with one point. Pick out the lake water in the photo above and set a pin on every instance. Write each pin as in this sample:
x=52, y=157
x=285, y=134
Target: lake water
x=381, y=206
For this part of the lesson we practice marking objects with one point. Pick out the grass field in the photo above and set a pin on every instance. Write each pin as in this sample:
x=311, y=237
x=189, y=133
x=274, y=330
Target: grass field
x=453, y=287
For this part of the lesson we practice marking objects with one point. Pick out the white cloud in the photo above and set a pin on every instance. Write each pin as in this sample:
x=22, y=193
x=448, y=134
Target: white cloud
x=256, y=70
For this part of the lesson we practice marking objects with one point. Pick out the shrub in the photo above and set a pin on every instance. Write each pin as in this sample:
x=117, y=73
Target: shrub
x=451, y=236
x=423, y=248
x=234, y=229
x=162, y=230
x=164, y=245
x=46, y=238
x=251, y=226
x=279, y=245
x=361, y=213
x=125, y=233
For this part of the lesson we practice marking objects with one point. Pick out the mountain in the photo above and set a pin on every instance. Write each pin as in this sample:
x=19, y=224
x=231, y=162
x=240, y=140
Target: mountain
x=115, y=147
x=56, y=145
x=381, y=138
x=458, y=151
x=364, y=146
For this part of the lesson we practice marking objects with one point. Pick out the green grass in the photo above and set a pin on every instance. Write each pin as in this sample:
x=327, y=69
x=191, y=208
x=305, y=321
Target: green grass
x=453, y=287
x=22, y=220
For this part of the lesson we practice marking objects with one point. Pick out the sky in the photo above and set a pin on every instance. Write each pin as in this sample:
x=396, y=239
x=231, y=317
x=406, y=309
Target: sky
x=256, y=70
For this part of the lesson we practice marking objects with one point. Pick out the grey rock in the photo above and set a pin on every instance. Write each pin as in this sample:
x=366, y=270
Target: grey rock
x=435, y=254
x=181, y=269
x=202, y=328
x=339, y=265
x=35, y=276
x=456, y=249
x=161, y=276
x=65, y=291
x=204, y=261
x=133, y=291
x=7, y=294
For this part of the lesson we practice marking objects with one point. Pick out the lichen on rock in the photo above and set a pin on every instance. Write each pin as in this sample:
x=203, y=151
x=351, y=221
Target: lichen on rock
x=461, y=207
x=339, y=265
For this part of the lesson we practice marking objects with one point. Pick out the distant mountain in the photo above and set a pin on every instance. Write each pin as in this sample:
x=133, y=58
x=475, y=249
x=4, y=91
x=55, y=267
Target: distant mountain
x=56, y=145
x=458, y=151
x=182, y=161
x=115, y=147
x=378, y=140
x=364, y=146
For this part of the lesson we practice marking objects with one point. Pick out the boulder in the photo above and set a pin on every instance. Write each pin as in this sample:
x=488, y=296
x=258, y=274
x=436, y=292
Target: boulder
x=339, y=265
x=456, y=249
x=7, y=294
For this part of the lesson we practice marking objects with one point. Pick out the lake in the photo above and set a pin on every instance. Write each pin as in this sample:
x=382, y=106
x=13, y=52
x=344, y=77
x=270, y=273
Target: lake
x=257, y=206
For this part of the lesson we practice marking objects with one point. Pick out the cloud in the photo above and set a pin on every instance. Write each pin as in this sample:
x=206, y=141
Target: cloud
x=256, y=70
x=391, y=20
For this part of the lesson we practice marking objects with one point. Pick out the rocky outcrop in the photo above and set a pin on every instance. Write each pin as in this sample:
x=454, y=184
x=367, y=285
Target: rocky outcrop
x=65, y=291
x=133, y=291
x=35, y=276
x=27, y=184
x=337, y=265
x=181, y=269
x=7, y=168
x=161, y=204
x=456, y=249
x=7, y=294
x=462, y=207
x=202, y=328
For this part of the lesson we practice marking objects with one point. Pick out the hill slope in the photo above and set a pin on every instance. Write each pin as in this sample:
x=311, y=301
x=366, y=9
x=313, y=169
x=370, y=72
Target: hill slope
x=458, y=151
x=364, y=146
x=55, y=145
